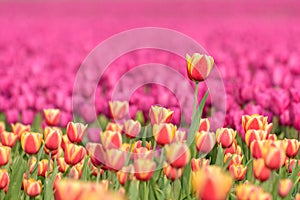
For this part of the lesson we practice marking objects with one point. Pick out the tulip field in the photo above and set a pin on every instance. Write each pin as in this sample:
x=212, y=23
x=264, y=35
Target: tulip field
x=119, y=100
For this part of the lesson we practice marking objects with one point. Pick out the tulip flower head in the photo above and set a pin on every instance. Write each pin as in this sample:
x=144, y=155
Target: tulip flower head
x=178, y=154
x=160, y=115
x=143, y=169
x=52, y=137
x=76, y=131
x=51, y=116
x=205, y=141
x=164, y=133
x=4, y=179
x=32, y=187
x=199, y=66
x=119, y=109
x=31, y=142
x=18, y=129
x=260, y=171
x=225, y=136
x=8, y=138
x=172, y=173
x=132, y=128
x=73, y=154
x=284, y=187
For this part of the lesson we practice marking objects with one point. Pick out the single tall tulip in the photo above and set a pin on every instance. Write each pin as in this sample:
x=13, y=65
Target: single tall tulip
x=199, y=66
x=31, y=142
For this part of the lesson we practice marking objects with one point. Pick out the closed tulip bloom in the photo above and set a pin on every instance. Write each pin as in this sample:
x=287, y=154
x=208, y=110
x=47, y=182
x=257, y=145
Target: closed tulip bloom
x=115, y=159
x=74, y=154
x=248, y=191
x=132, y=128
x=205, y=141
x=43, y=167
x=62, y=165
x=292, y=147
x=143, y=169
x=232, y=149
x=238, y=171
x=31, y=142
x=204, y=125
x=178, y=154
x=114, y=127
x=225, y=136
x=76, y=171
x=256, y=122
x=198, y=163
x=284, y=187
x=257, y=148
x=4, y=179
x=142, y=152
x=260, y=171
x=274, y=157
x=199, y=66
x=51, y=116
x=8, y=138
x=53, y=138
x=124, y=174
x=64, y=141
x=235, y=159
x=164, y=133
x=160, y=115
x=111, y=139
x=211, y=183
x=172, y=173
x=18, y=129
x=119, y=109
x=76, y=131
x=290, y=165
x=32, y=187
x=272, y=137
x=252, y=135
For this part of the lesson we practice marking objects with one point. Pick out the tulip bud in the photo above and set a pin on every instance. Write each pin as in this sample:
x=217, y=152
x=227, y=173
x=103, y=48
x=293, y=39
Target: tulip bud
x=111, y=139
x=76, y=131
x=225, y=136
x=178, y=154
x=4, y=179
x=43, y=167
x=257, y=148
x=18, y=129
x=238, y=171
x=248, y=191
x=252, y=135
x=8, y=138
x=124, y=174
x=32, y=187
x=119, y=109
x=160, y=115
x=143, y=169
x=73, y=154
x=235, y=159
x=205, y=141
x=51, y=116
x=52, y=137
x=260, y=171
x=197, y=164
x=115, y=159
x=164, y=133
x=132, y=128
x=114, y=127
x=31, y=142
x=172, y=173
x=232, y=149
x=62, y=165
x=284, y=187
x=142, y=152
x=204, y=125
x=292, y=147
x=274, y=157
x=199, y=66
x=255, y=121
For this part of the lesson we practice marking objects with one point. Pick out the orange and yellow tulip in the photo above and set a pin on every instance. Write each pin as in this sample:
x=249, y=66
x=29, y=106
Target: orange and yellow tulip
x=199, y=66
x=225, y=136
x=31, y=142
x=160, y=115
x=8, y=138
x=178, y=154
x=51, y=116
x=76, y=131
x=74, y=154
x=164, y=133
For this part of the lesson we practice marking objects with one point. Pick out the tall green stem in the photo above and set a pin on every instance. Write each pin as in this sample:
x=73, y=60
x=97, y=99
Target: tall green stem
x=195, y=98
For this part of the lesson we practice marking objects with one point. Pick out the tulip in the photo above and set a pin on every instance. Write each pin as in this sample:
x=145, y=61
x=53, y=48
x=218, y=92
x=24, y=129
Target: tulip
x=247, y=191
x=62, y=165
x=291, y=164
x=257, y=148
x=143, y=169
x=180, y=136
x=235, y=159
x=74, y=154
x=211, y=183
x=255, y=121
x=260, y=171
x=124, y=174
x=238, y=171
x=143, y=152
x=111, y=139
x=32, y=187
x=31, y=142
x=51, y=116
x=232, y=149
x=178, y=154
x=115, y=159
x=225, y=136
x=43, y=167
x=53, y=138
x=114, y=127
x=132, y=128
x=76, y=131
x=76, y=171
x=119, y=109
x=8, y=138
x=18, y=129
x=204, y=125
x=57, y=178
x=252, y=135
x=198, y=163
x=274, y=157
x=297, y=196
x=164, y=133
x=160, y=115
x=139, y=143
x=205, y=141
x=172, y=173
x=4, y=179
x=272, y=137
x=97, y=154
x=284, y=187
x=199, y=66
x=292, y=147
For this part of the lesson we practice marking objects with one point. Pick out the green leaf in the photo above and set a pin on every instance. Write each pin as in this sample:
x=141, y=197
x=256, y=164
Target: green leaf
x=134, y=190
x=48, y=192
x=220, y=157
x=36, y=125
x=85, y=170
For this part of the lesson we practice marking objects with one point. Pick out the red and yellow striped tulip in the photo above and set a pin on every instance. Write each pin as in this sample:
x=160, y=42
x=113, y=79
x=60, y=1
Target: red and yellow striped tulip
x=62, y=165
x=8, y=138
x=260, y=171
x=204, y=124
x=142, y=152
x=238, y=172
x=97, y=154
x=124, y=174
x=51, y=116
x=132, y=128
x=292, y=147
x=18, y=129
x=211, y=183
x=118, y=109
x=178, y=154
x=4, y=179
x=31, y=142
x=255, y=121
x=248, y=191
x=76, y=131
x=43, y=167
x=164, y=133
x=257, y=148
x=172, y=173
x=52, y=137
x=143, y=169
x=199, y=66
x=235, y=159
x=115, y=159
x=253, y=135
x=114, y=127
x=111, y=139
x=76, y=171
x=74, y=154
x=205, y=141
x=272, y=137
x=198, y=163
x=284, y=187
x=290, y=164
x=160, y=115
x=32, y=187
x=274, y=157
x=225, y=136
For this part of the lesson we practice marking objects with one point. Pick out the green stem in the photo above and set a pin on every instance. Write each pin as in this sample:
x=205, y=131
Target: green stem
x=98, y=174
x=195, y=98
